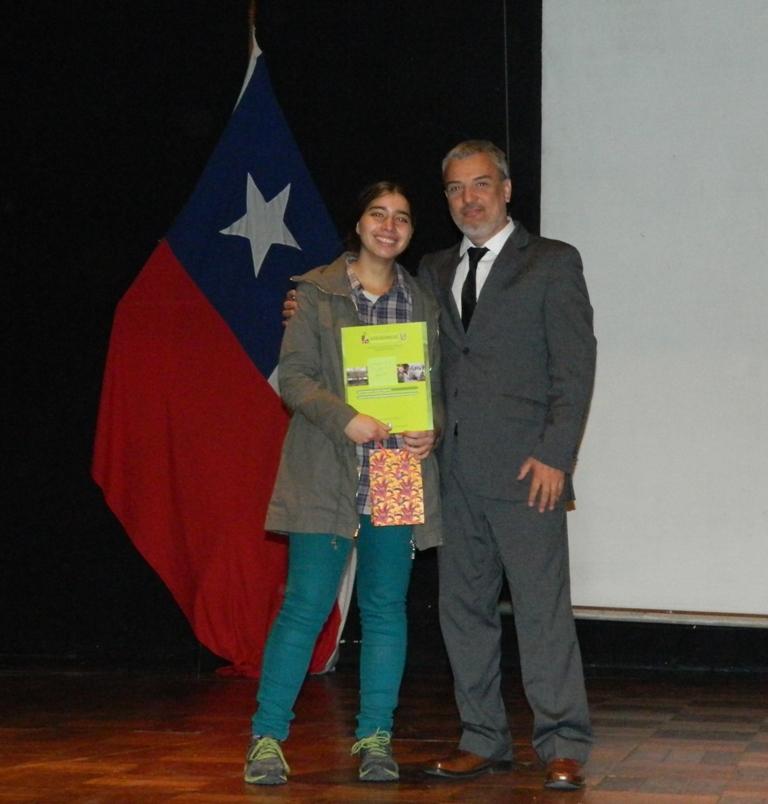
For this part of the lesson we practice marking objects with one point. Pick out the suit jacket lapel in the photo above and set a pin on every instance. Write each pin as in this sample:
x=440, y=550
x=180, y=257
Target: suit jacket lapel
x=446, y=273
x=503, y=274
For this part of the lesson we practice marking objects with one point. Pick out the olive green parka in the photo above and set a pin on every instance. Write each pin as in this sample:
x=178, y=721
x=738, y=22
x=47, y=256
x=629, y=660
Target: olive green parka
x=318, y=475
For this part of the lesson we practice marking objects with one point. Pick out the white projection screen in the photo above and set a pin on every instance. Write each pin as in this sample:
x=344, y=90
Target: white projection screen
x=655, y=165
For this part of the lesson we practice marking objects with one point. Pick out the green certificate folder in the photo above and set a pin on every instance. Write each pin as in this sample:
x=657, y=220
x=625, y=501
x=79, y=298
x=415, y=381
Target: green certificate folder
x=386, y=374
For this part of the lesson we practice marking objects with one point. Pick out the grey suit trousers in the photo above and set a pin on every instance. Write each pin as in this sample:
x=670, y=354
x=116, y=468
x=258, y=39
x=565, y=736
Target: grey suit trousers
x=486, y=539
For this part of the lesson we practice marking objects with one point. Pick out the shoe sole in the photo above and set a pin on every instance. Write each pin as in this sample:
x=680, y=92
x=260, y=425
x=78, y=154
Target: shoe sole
x=268, y=778
x=271, y=780
x=564, y=785
x=495, y=767
x=374, y=777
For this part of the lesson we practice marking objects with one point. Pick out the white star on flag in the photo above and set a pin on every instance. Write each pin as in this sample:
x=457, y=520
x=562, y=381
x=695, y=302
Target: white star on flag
x=263, y=223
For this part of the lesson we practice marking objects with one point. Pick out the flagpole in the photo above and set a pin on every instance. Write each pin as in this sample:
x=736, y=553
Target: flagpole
x=252, y=9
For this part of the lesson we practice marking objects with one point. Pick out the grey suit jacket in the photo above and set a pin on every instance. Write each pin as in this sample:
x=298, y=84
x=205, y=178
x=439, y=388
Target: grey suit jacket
x=519, y=382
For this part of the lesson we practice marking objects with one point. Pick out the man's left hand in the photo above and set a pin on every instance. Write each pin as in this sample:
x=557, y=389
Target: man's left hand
x=547, y=484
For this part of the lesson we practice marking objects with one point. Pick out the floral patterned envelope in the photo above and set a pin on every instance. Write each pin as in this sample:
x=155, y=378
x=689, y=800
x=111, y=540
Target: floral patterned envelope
x=397, y=491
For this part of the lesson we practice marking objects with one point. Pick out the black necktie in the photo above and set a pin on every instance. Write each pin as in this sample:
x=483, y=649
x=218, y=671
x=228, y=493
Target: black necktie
x=468, y=290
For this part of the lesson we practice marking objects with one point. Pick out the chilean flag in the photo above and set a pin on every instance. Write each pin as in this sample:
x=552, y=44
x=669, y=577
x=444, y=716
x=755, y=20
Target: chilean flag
x=190, y=429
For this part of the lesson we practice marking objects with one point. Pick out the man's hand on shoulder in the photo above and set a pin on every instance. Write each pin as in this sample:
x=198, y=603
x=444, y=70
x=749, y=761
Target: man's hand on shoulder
x=290, y=306
x=547, y=484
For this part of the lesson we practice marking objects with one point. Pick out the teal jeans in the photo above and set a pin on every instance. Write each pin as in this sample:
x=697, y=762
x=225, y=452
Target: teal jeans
x=316, y=562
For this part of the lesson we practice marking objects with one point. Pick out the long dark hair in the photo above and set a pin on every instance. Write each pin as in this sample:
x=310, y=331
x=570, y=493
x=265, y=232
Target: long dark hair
x=367, y=195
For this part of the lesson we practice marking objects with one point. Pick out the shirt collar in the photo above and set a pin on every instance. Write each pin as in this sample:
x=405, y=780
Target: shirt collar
x=397, y=284
x=494, y=245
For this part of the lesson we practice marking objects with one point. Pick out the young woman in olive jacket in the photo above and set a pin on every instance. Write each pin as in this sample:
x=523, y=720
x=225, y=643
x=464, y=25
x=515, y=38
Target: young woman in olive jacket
x=320, y=498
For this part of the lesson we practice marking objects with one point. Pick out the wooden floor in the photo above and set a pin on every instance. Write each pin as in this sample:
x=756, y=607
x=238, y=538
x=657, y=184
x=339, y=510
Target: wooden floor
x=112, y=737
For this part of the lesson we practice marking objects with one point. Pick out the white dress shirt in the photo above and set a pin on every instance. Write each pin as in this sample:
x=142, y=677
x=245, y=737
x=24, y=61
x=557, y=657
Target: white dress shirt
x=494, y=246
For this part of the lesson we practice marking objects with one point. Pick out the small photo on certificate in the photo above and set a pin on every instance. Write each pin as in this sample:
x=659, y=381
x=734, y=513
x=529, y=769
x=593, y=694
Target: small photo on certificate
x=357, y=375
x=411, y=372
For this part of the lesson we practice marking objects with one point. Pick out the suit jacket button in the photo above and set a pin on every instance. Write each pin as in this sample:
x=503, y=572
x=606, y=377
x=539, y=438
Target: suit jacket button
x=465, y=350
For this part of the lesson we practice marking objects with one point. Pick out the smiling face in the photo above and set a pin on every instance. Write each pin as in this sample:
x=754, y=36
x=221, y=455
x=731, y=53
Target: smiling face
x=477, y=196
x=385, y=227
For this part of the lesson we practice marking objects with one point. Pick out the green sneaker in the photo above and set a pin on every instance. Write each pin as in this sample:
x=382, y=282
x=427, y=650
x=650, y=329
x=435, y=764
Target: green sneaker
x=265, y=763
x=376, y=761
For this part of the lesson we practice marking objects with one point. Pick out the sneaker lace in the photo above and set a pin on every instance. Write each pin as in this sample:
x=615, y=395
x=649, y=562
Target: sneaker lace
x=377, y=744
x=267, y=748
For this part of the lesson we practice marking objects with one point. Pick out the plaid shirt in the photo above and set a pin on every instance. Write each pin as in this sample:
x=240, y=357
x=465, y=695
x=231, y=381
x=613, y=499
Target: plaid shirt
x=394, y=307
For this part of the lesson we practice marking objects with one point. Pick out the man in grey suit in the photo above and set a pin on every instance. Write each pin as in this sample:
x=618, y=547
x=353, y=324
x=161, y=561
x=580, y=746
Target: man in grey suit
x=518, y=356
